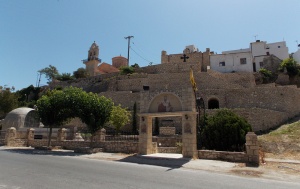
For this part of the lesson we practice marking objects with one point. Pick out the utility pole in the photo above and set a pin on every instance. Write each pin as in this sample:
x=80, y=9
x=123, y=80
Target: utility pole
x=128, y=37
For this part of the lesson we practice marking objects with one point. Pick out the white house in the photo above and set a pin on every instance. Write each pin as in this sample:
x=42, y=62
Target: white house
x=296, y=55
x=249, y=59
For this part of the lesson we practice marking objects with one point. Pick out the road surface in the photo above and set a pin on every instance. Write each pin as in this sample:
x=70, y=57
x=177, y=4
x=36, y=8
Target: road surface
x=26, y=170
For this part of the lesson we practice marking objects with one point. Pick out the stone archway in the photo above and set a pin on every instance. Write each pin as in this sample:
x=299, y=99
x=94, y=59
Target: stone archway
x=213, y=103
x=169, y=104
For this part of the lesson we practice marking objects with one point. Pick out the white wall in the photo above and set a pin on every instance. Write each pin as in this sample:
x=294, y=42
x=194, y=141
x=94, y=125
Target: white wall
x=296, y=56
x=232, y=62
x=256, y=53
x=279, y=49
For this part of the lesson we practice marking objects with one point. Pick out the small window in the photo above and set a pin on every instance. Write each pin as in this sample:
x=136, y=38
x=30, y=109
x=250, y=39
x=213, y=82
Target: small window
x=261, y=64
x=268, y=53
x=243, y=61
x=221, y=63
x=278, y=46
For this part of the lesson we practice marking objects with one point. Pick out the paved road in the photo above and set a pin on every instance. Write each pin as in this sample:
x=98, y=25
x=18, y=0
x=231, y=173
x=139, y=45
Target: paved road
x=22, y=170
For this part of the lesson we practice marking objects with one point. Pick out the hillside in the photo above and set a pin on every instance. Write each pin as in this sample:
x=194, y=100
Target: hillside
x=282, y=143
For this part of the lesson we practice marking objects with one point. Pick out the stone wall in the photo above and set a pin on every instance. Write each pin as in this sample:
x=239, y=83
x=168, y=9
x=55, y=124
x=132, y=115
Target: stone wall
x=169, y=141
x=169, y=69
x=244, y=79
x=198, y=57
x=125, y=98
x=108, y=146
x=282, y=79
x=251, y=155
x=280, y=98
x=172, y=150
x=167, y=130
x=121, y=147
x=2, y=142
x=259, y=119
x=271, y=63
x=232, y=90
x=221, y=155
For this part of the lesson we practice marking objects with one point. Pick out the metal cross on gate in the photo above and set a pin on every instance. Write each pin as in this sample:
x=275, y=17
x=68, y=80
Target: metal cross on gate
x=184, y=57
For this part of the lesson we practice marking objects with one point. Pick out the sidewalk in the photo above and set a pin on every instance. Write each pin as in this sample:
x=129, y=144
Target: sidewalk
x=275, y=169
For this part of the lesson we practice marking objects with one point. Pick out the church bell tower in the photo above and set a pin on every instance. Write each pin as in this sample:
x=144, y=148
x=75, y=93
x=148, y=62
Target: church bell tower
x=91, y=64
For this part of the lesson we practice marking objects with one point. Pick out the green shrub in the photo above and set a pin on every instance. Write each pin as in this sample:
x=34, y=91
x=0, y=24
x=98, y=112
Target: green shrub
x=290, y=65
x=267, y=75
x=126, y=70
x=225, y=131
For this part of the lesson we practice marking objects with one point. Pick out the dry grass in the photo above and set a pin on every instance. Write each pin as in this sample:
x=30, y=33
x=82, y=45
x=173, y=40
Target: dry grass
x=282, y=143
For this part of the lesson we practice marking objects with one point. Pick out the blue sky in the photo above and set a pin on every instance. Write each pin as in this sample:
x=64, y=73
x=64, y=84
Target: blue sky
x=37, y=33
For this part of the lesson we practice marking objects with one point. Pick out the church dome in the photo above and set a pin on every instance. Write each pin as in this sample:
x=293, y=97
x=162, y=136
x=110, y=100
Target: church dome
x=21, y=118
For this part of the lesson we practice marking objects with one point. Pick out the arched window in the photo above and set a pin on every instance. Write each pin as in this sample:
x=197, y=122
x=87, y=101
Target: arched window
x=213, y=104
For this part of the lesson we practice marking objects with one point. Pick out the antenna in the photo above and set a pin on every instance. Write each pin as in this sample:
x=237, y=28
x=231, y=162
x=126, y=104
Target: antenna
x=255, y=36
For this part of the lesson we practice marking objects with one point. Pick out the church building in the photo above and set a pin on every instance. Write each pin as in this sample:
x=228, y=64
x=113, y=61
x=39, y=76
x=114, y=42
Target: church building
x=94, y=66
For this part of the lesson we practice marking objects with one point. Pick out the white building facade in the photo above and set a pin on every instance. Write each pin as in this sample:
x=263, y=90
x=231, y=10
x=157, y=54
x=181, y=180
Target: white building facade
x=249, y=59
x=296, y=56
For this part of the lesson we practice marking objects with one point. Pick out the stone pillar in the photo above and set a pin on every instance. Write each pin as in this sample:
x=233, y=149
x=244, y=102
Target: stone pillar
x=100, y=135
x=252, y=148
x=30, y=134
x=189, y=136
x=145, y=135
x=10, y=136
x=61, y=134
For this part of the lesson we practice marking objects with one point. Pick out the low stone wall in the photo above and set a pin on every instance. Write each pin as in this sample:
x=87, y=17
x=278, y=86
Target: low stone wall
x=167, y=130
x=2, y=142
x=167, y=141
x=173, y=150
x=70, y=145
x=121, y=147
x=108, y=146
x=221, y=155
x=250, y=156
x=154, y=148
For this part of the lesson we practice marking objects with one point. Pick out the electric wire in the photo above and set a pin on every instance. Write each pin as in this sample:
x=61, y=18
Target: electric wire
x=140, y=55
x=142, y=52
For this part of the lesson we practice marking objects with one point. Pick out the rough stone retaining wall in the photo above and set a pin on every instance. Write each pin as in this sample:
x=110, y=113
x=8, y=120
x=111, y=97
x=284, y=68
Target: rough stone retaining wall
x=111, y=146
x=2, y=142
x=167, y=130
x=173, y=150
x=167, y=141
x=121, y=147
x=221, y=155
x=259, y=119
x=250, y=156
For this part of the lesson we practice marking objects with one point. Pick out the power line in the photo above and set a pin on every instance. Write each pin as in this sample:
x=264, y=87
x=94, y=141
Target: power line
x=141, y=52
x=140, y=55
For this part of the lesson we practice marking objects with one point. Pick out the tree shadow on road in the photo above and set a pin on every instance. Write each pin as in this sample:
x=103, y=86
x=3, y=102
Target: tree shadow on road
x=171, y=163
